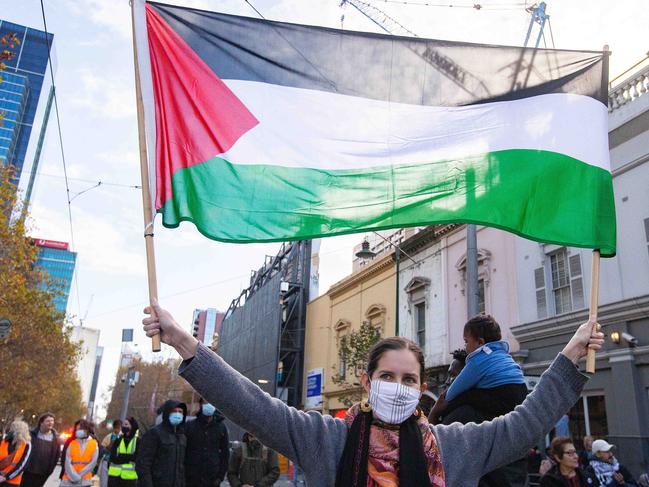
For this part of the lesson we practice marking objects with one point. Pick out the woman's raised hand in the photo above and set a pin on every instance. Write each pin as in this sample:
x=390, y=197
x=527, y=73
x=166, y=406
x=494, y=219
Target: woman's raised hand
x=161, y=322
x=586, y=337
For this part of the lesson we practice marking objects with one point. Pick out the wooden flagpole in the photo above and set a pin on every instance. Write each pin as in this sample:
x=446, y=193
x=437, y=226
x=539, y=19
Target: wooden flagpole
x=594, y=277
x=594, y=300
x=146, y=190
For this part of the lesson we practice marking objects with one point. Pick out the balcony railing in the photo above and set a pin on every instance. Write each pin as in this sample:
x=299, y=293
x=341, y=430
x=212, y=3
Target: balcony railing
x=630, y=89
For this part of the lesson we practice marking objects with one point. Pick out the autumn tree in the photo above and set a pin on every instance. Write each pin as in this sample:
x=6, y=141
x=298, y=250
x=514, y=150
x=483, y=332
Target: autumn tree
x=353, y=350
x=158, y=381
x=38, y=358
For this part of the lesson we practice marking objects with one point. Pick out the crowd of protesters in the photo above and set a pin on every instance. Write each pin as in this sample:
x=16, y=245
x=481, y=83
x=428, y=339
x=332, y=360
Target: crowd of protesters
x=179, y=451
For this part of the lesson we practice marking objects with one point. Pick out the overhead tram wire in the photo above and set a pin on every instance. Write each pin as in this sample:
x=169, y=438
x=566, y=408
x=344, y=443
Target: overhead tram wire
x=65, y=168
x=92, y=181
x=475, y=6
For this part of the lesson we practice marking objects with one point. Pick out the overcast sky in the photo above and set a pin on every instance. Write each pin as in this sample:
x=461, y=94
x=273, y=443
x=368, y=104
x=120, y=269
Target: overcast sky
x=95, y=91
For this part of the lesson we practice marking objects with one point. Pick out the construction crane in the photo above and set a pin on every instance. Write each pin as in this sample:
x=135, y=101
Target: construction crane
x=538, y=17
x=380, y=18
x=445, y=65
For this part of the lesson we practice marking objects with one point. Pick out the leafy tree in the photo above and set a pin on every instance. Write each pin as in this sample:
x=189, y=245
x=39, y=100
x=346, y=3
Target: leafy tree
x=353, y=350
x=158, y=381
x=38, y=358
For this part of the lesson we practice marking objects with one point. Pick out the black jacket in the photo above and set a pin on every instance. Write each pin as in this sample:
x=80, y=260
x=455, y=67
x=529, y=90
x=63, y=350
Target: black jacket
x=628, y=478
x=160, y=460
x=553, y=478
x=45, y=454
x=208, y=451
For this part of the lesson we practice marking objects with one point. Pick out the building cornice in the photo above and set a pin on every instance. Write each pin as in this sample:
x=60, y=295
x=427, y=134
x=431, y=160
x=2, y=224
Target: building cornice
x=603, y=358
x=361, y=276
x=429, y=236
x=628, y=309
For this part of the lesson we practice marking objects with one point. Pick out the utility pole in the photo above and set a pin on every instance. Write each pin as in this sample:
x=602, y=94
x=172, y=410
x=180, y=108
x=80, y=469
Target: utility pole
x=471, y=271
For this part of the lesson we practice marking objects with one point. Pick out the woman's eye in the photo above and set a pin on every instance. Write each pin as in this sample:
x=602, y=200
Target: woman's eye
x=386, y=377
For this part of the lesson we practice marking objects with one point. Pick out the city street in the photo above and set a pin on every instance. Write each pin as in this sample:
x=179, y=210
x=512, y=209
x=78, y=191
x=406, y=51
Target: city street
x=337, y=229
x=54, y=481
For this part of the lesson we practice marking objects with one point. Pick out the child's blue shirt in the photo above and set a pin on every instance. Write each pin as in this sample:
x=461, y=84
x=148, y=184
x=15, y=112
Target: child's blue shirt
x=487, y=367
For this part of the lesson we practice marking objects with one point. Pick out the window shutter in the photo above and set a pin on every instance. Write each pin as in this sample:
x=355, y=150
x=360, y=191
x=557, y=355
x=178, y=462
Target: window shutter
x=576, y=281
x=539, y=284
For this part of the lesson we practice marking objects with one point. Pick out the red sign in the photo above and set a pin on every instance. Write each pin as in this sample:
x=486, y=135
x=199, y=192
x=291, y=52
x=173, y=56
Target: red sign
x=52, y=244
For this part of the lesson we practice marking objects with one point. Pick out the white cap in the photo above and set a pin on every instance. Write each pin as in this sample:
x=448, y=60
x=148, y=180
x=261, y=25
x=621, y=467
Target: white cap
x=601, y=445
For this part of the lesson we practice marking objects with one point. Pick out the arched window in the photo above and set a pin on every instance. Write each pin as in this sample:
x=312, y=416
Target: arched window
x=342, y=328
x=417, y=290
x=484, y=274
x=375, y=315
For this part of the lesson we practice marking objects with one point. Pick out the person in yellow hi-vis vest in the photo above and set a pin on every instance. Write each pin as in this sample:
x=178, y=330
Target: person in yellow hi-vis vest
x=121, y=470
x=80, y=457
x=14, y=453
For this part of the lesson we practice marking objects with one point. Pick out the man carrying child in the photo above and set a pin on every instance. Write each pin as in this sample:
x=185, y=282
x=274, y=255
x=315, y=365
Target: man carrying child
x=491, y=384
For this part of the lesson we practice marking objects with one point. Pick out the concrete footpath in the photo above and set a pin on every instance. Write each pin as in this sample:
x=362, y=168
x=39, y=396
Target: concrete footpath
x=54, y=481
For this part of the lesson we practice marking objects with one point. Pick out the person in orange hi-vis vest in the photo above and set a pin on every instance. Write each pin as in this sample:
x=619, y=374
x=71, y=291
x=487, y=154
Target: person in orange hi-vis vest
x=80, y=456
x=14, y=453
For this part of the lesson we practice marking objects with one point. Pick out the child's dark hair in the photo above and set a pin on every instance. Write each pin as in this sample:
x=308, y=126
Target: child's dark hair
x=459, y=354
x=395, y=343
x=485, y=327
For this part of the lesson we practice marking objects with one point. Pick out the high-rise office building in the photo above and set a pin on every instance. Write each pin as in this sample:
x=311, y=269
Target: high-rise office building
x=89, y=340
x=206, y=325
x=24, y=79
x=58, y=262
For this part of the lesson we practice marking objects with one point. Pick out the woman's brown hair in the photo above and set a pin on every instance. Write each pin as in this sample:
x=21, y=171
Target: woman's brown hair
x=395, y=343
x=556, y=448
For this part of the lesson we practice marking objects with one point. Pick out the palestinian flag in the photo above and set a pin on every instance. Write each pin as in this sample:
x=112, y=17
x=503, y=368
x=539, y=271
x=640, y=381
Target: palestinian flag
x=264, y=131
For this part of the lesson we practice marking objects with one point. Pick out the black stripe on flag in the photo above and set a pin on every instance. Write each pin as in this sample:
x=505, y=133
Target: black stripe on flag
x=382, y=67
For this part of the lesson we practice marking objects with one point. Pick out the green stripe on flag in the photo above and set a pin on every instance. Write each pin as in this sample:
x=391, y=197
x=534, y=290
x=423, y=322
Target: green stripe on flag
x=540, y=195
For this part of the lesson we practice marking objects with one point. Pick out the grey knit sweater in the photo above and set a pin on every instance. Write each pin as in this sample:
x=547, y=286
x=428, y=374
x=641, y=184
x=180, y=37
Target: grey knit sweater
x=315, y=442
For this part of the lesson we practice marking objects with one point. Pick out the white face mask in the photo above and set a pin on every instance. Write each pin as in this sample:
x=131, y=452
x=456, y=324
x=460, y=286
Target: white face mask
x=393, y=403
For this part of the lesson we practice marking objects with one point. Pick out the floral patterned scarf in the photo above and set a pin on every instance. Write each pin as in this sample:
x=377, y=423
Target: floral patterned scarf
x=383, y=455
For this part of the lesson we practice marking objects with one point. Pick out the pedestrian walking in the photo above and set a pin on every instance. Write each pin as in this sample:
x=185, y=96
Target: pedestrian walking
x=46, y=451
x=160, y=460
x=384, y=441
x=121, y=469
x=607, y=469
x=208, y=447
x=106, y=446
x=15, y=451
x=252, y=464
x=81, y=456
x=566, y=472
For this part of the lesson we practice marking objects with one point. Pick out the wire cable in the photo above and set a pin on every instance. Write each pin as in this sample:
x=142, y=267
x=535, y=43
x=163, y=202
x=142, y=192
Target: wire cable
x=92, y=181
x=475, y=6
x=65, y=168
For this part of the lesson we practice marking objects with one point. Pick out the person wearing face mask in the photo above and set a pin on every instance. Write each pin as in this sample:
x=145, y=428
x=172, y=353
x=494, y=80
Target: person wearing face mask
x=160, y=460
x=252, y=464
x=45, y=452
x=385, y=441
x=208, y=447
x=80, y=456
x=121, y=469
x=15, y=450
